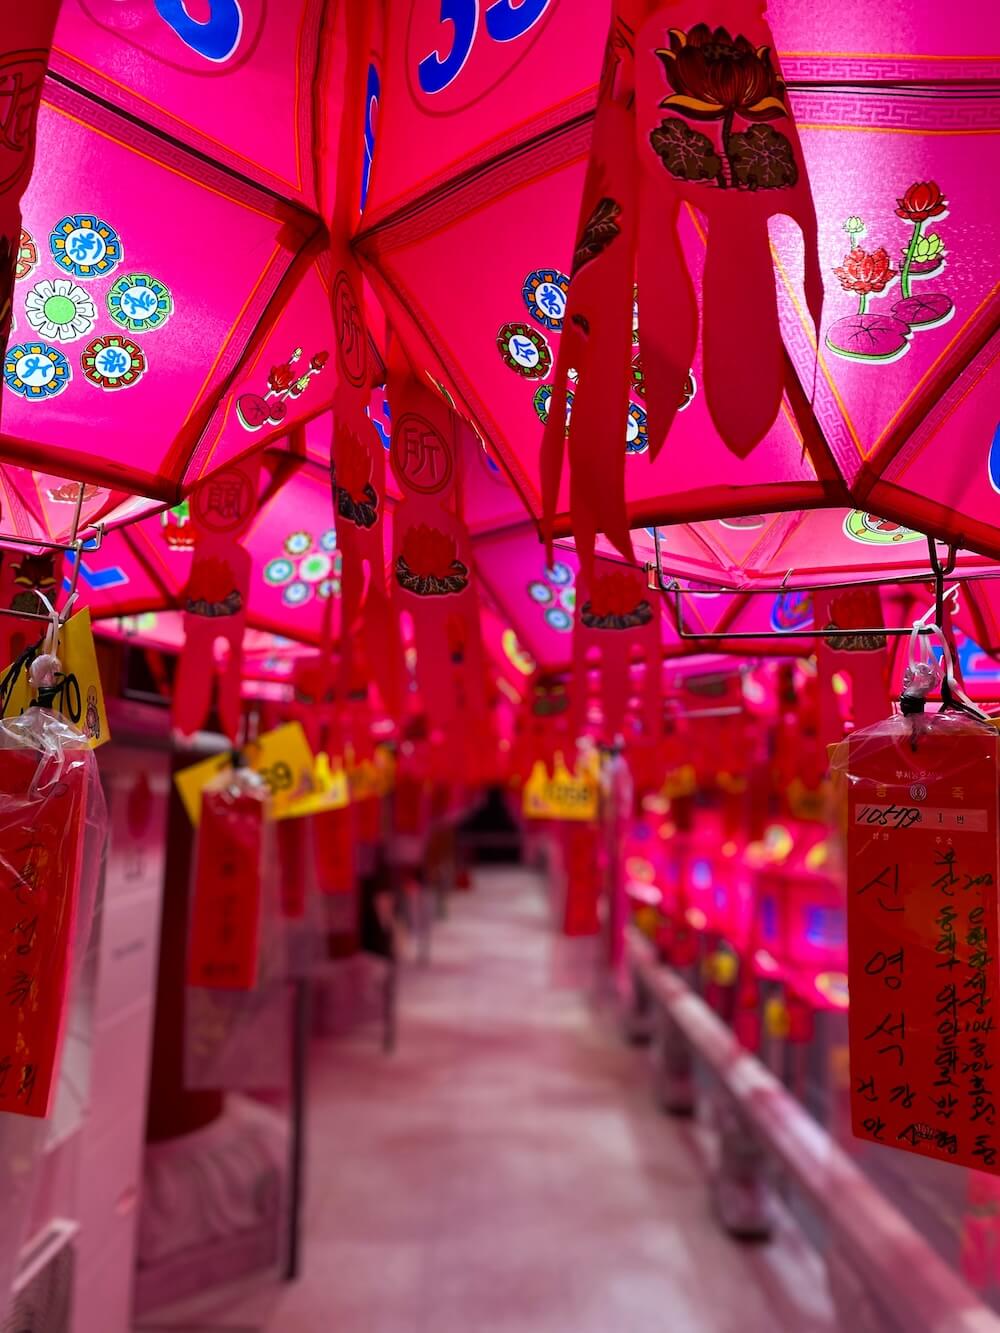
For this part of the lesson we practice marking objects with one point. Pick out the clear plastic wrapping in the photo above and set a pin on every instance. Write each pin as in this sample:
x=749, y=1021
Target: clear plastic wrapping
x=236, y=1011
x=919, y=798
x=53, y=826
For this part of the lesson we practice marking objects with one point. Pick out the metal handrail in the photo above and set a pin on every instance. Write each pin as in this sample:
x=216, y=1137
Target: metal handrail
x=894, y=1261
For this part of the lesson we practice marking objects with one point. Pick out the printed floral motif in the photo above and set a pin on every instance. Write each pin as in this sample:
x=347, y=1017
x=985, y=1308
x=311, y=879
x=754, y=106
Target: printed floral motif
x=556, y=593
x=357, y=499
x=852, y=610
x=211, y=590
x=921, y=201
x=27, y=255
x=616, y=602
x=876, y=338
x=60, y=309
x=762, y=159
x=865, y=273
x=284, y=381
x=600, y=230
x=32, y=572
x=717, y=77
x=304, y=567
x=428, y=564
x=686, y=153
x=714, y=75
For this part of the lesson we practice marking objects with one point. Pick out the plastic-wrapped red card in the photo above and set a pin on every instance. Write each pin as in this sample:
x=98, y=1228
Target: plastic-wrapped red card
x=922, y=872
x=43, y=796
x=226, y=909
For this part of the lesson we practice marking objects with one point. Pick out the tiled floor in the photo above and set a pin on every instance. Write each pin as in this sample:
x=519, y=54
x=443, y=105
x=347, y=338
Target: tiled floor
x=507, y=1172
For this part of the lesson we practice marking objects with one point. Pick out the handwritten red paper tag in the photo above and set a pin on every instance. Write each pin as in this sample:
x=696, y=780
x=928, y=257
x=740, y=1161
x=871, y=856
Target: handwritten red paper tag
x=226, y=907
x=42, y=805
x=922, y=937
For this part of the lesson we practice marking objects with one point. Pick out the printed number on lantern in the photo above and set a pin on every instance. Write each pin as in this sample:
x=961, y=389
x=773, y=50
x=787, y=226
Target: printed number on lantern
x=505, y=22
x=278, y=777
x=216, y=37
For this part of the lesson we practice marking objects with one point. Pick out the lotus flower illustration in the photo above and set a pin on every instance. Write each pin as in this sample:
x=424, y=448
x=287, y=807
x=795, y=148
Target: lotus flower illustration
x=616, y=602
x=212, y=590
x=357, y=499
x=428, y=563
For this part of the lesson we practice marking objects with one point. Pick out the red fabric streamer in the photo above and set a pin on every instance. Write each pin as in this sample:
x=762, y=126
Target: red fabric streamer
x=692, y=110
x=357, y=459
x=432, y=570
x=616, y=635
x=215, y=599
x=715, y=131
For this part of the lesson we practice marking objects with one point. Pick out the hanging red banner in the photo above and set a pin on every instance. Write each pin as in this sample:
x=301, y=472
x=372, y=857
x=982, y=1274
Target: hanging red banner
x=433, y=579
x=618, y=627
x=226, y=907
x=215, y=598
x=923, y=868
x=357, y=459
x=42, y=812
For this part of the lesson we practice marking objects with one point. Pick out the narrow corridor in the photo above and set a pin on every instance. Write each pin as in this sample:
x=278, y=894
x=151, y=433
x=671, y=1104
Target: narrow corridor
x=506, y=1170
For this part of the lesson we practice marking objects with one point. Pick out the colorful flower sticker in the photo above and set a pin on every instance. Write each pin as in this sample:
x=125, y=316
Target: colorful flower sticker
x=559, y=619
x=298, y=543
x=315, y=567
x=139, y=303
x=27, y=256
x=561, y=575
x=874, y=531
x=60, y=309
x=278, y=572
x=36, y=370
x=328, y=541
x=525, y=351
x=541, y=399
x=636, y=437
x=540, y=592
x=297, y=593
x=85, y=246
x=545, y=291
x=113, y=361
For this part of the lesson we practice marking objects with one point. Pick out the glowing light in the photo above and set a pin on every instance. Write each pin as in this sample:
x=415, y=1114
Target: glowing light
x=833, y=987
x=817, y=856
x=701, y=874
x=696, y=918
x=766, y=963
x=643, y=892
x=637, y=867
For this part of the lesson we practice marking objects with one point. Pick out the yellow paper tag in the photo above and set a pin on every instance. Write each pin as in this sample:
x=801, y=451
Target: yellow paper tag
x=283, y=759
x=330, y=790
x=564, y=795
x=81, y=700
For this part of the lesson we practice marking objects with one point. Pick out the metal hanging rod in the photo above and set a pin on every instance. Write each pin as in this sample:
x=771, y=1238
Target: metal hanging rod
x=939, y=571
x=91, y=539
